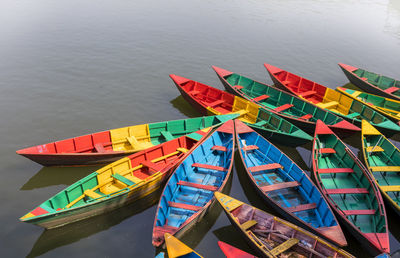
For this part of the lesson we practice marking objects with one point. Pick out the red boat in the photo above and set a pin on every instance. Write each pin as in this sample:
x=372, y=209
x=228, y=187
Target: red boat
x=233, y=252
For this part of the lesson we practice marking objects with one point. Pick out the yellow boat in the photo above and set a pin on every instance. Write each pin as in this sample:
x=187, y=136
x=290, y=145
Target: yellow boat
x=383, y=161
x=176, y=248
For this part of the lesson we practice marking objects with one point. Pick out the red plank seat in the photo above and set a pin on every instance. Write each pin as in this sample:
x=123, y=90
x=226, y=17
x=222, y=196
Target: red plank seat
x=391, y=90
x=184, y=206
x=302, y=207
x=99, y=148
x=194, y=92
x=152, y=166
x=307, y=93
x=286, y=82
x=250, y=148
x=335, y=170
x=283, y=107
x=327, y=151
x=207, y=166
x=347, y=191
x=260, y=98
x=219, y=148
x=284, y=185
x=238, y=87
x=364, y=79
x=270, y=166
x=306, y=117
x=358, y=212
x=199, y=186
x=216, y=103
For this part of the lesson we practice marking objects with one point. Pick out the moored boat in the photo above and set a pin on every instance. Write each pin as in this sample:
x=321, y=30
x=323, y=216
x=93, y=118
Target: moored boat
x=209, y=100
x=271, y=236
x=386, y=106
x=116, y=184
x=233, y=252
x=372, y=82
x=188, y=194
x=285, y=186
x=293, y=109
x=383, y=161
x=176, y=248
x=108, y=146
x=350, y=190
x=336, y=102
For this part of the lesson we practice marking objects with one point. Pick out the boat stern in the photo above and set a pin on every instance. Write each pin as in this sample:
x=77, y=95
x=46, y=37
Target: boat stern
x=334, y=234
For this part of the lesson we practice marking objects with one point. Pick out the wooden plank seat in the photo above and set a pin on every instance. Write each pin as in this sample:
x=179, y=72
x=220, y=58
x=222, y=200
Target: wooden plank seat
x=374, y=149
x=194, y=92
x=335, y=170
x=151, y=166
x=184, y=206
x=123, y=179
x=248, y=224
x=238, y=87
x=183, y=150
x=385, y=169
x=306, y=117
x=199, y=186
x=216, y=103
x=260, y=98
x=347, y=191
x=282, y=108
x=364, y=79
x=302, y=207
x=358, y=212
x=270, y=166
x=284, y=185
x=286, y=82
x=167, y=135
x=328, y=105
x=327, y=151
x=250, y=147
x=307, y=93
x=284, y=246
x=207, y=166
x=219, y=148
x=92, y=194
x=99, y=148
x=390, y=188
x=261, y=123
x=353, y=115
x=391, y=90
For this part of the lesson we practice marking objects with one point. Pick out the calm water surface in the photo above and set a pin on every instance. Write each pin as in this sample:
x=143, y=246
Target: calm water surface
x=73, y=67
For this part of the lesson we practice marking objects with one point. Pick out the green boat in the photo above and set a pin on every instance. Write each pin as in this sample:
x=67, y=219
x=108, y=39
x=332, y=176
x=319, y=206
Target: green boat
x=293, y=109
x=383, y=161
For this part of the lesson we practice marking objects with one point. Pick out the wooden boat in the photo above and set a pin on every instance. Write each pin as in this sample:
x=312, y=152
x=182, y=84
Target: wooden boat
x=115, y=185
x=383, y=161
x=271, y=236
x=188, y=194
x=291, y=108
x=372, y=82
x=350, y=190
x=105, y=147
x=209, y=100
x=233, y=252
x=176, y=248
x=386, y=106
x=285, y=186
x=336, y=102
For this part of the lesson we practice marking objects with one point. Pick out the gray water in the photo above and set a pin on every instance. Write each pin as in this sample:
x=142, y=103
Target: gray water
x=72, y=67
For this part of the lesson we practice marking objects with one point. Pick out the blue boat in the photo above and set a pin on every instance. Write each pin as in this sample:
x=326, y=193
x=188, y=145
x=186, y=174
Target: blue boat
x=189, y=192
x=285, y=186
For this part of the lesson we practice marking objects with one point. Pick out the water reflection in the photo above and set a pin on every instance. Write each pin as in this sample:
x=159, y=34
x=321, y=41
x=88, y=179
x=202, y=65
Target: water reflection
x=54, y=238
x=184, y=107
x=49, y=176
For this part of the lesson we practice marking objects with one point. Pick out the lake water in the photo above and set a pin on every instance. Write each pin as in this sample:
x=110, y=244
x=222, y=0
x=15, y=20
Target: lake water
x=69, y=68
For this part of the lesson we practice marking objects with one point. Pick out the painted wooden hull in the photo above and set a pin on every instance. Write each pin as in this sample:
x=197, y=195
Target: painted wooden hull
x=366, y=81
x=114, y=185
x=350, y=190
x=108, y=146
x=387, y=107
x=233, y=252
x=382, y=159
x=268, y=124
x=176, y=248
x=264, y=232
x=269, y=169
x=331, y=100
x=301, y=113
x=187, y=195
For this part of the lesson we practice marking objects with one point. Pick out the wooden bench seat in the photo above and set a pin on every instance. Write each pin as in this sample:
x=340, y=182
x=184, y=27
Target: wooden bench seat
x=347, y=191
x=151, y=166
x=248, y=224
x=283, y=108
x=92, y=194
x=306, y=117
x=358, y=212
x=184, y=206
x=219, y=148
x=261, y=123
x=328, y=105
x=265, y=167
x=167, y=135
x=238, y=87
x=335, y=170
x=207, y=166
x=374, y=149
x=353, y=115
x=260, y=98
x=327, y=151
x=194, y=92
x=302, y=207
x=216, y=103
x=123, y=179
x=307, y=93
x=99, y=148
x=199, y=186
x=390, y=188
x=284, y=247
x=385, y=169
x=250, y=148
x=391, y=90
x=284, y=185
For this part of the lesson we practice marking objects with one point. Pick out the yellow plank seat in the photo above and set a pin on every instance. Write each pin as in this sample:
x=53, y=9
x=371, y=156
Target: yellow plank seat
x=328, y=105
x=183, y=150
x=374, y=149
x=92, y=194
x=385, y=168
x=391, y=188
x=356, y=93
x=248, y=224
x=284, y=246
x=138, y=145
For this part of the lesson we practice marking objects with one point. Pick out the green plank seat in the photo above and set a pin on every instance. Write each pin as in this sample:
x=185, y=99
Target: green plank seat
x=302, y=207
x=391, y=90
x=184, y=206
x=123, y=179
x=260, y=98
x=216, y=103
x=347, y=191
x=353, y=115
x=261, y=123
x=250, y=148
x=167, y=135
x=265, y=167
x=199, y=186
x=358, y=212
x=219, y=148
x=283, y=107
x=327, y=151
x=307, y=93
x=284, y=185
x=99, y=148
x=207, y=166
x=306, y=117
x=335, y=170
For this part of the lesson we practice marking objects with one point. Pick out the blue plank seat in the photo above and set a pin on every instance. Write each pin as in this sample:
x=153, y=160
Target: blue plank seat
x=123, y=179
x=279, y=186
